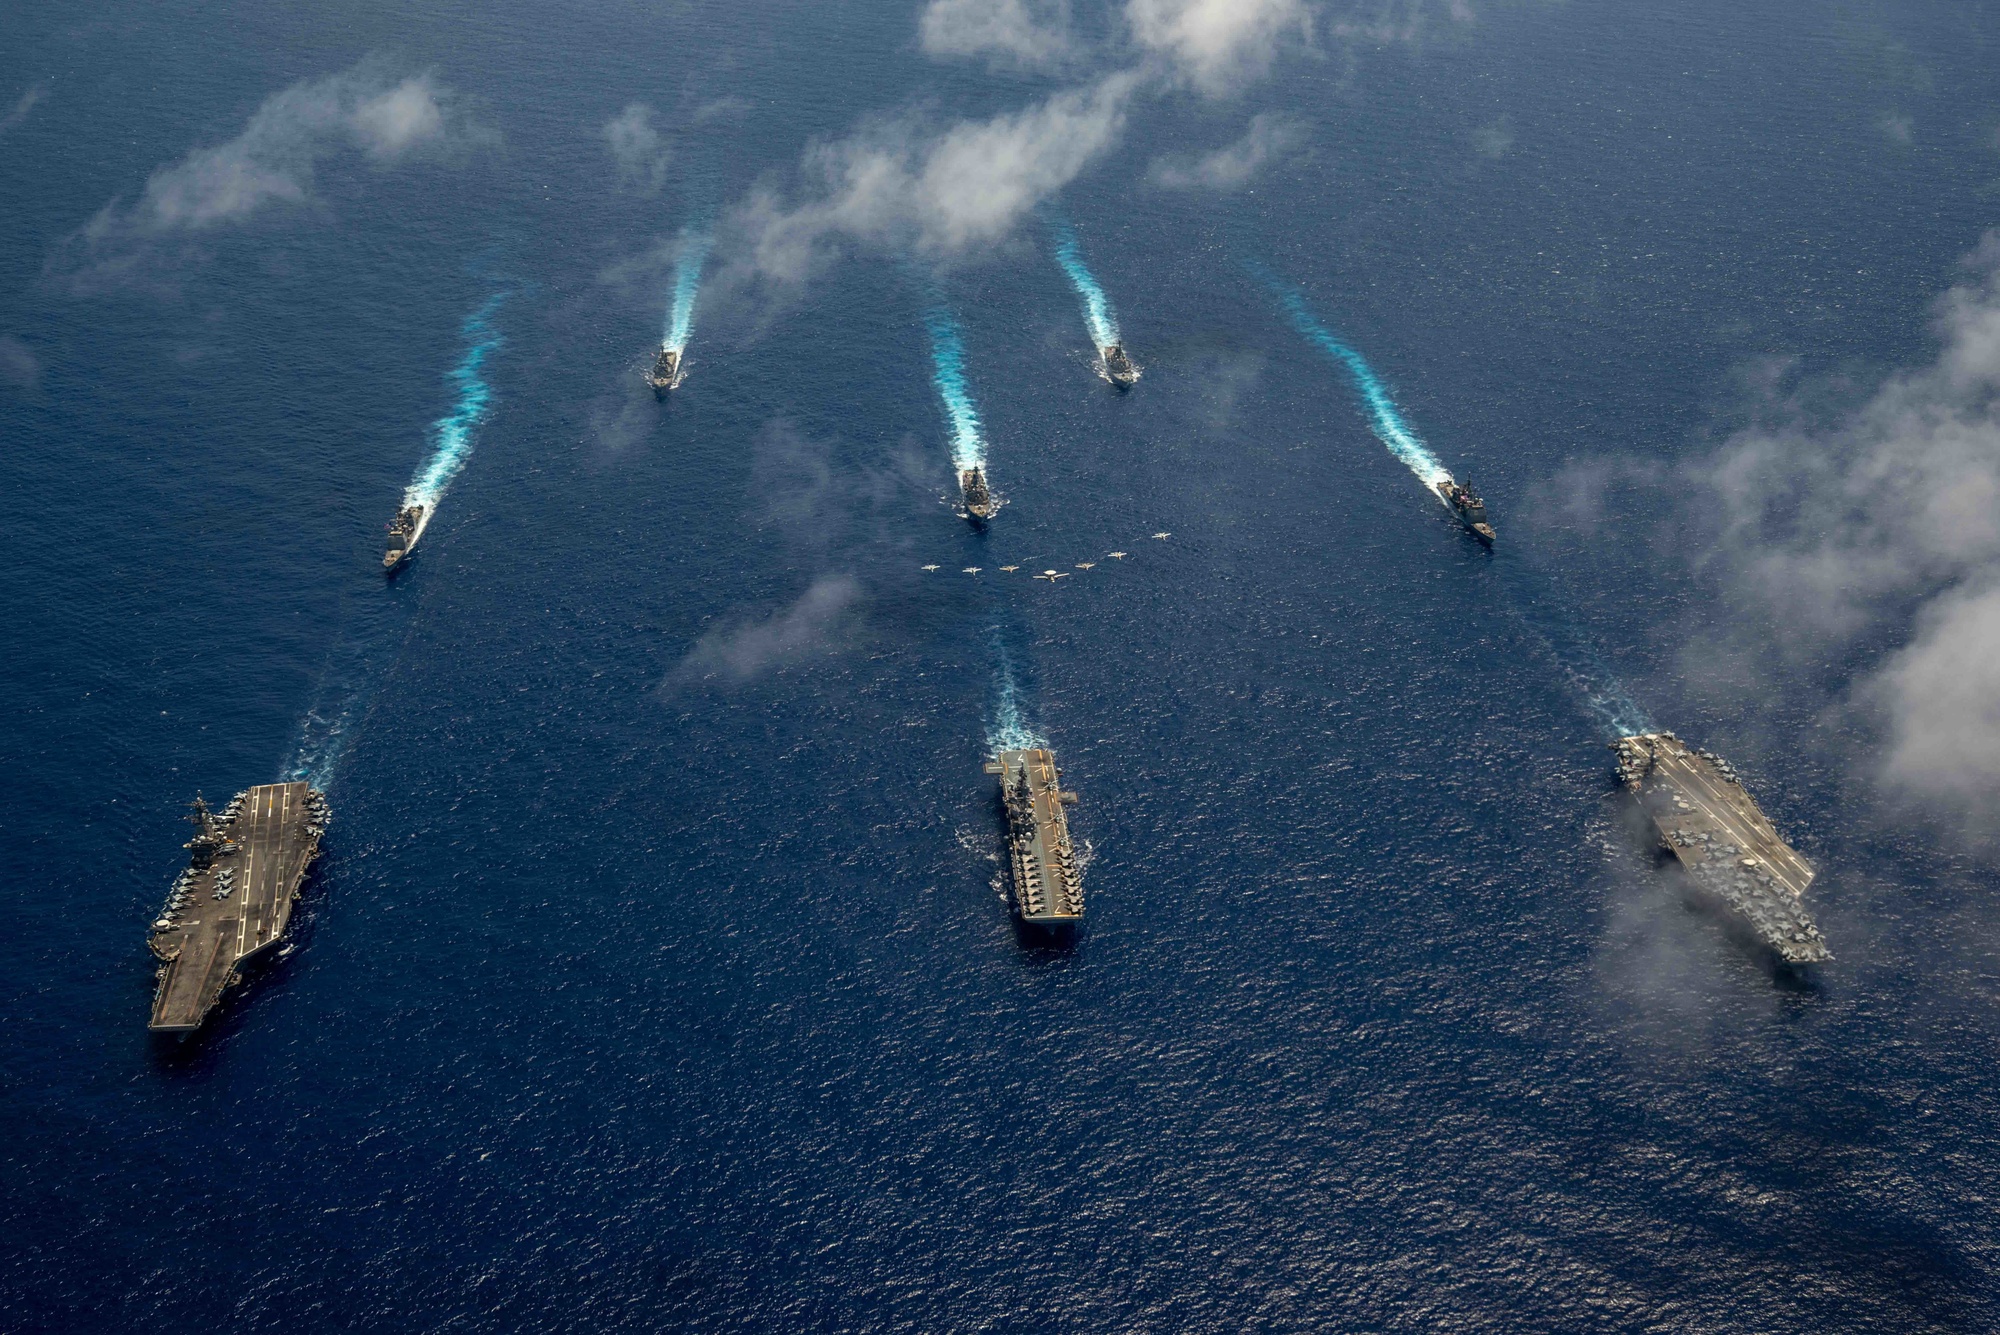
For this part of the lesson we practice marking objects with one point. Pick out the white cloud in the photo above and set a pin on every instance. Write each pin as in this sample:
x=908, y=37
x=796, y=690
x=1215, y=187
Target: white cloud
x=895, y=186
x=738, y=653
x=1231, y=166
x=273, y=159
x=1217, y=45
x=1008, y=31
x=1888, y=524
x=640, y=151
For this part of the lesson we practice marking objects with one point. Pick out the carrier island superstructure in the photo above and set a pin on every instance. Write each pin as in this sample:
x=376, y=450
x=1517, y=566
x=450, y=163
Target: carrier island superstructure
x=1048, y=892
x=245, y=865
x=1733, y=853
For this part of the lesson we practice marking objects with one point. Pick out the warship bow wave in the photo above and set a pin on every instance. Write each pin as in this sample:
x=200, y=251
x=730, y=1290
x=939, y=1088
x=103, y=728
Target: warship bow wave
x=1733, y=853
x=234, y=899
x=1465, y=503
x=1048, y=892
x=1118, y=367
x=979, y=502
x=667, y=371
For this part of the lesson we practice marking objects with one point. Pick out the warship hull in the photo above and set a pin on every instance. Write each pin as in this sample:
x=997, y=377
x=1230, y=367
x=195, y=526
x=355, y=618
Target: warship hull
x=667, y=372
x=1471, y=511
x=1734, y=856
x=404, y=530
x=1048, y=891
x=235, y=898
x=1118, y=367
x=977, y=496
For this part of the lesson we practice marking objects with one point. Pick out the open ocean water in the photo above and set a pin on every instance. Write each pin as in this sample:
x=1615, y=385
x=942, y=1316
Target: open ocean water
x=657, y=973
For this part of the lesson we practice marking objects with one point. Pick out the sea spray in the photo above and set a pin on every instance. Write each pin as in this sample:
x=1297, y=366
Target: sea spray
x=968, y=440
x=1096, y=306
x=1388, y=424
x=687, y=282
x=453, y=432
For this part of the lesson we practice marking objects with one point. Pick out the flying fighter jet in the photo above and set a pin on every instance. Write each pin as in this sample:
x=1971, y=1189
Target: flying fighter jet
x=1010, y=569
x=930, y=567
x=970, y=570
x=1086, y=565
x=1163, y=535
x=1117, y=555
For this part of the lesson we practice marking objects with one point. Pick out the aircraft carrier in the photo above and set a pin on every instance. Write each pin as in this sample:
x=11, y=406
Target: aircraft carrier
x=1047, y=890
x=1734, y=854
x=235, y=899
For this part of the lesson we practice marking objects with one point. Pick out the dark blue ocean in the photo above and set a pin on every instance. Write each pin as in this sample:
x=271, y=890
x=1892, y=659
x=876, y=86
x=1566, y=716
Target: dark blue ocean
x=658, y=972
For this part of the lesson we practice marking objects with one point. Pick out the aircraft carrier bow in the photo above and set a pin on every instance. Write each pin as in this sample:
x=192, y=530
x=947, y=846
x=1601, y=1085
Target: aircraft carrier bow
x=1729, y=847
x=235, y=899
x=1047, y=889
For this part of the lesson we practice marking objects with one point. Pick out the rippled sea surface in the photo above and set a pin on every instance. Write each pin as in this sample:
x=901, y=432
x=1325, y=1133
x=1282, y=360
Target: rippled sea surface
x=657, y=973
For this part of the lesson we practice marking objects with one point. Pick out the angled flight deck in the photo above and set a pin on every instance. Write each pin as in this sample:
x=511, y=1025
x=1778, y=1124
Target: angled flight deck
x=235, y=897
x=1728, y=845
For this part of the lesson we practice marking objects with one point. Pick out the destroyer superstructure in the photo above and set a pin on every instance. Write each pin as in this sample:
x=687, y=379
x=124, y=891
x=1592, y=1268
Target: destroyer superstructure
x=1465, y=503
x=979, y=503
x=245, y=866
x=1048, y=892
x=1733, y=853
x=666, y=373
x=404, y=530
x=1118, y=367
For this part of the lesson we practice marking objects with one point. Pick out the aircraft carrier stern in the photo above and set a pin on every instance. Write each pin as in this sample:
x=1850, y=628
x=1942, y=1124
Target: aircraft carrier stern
x=235, y=898
x=1048, y=892
x=1733, y=853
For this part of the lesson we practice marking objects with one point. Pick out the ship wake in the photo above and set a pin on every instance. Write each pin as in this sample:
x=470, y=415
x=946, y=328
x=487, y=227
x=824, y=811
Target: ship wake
x=453, y=433
x=687, y=283
x=1096, y=306
x=968, y=436
x=1387, y=422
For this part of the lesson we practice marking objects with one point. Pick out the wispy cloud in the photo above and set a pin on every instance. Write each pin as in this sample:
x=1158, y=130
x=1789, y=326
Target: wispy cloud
x=640, y=150
x=19, y=366
x=22, y=106
x=897, y=185
x=1027, y=34
x=1233, y=165
x=272, y=161
x=738, y=653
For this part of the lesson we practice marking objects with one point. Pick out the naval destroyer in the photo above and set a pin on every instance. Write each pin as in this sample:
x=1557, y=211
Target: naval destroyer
x=979, y=502
x=1048, y=892
x=1118, y=367
x=1465, y=503
x=667, y=371
x=408, y=525
x=1733, y=853
x=234, y=899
